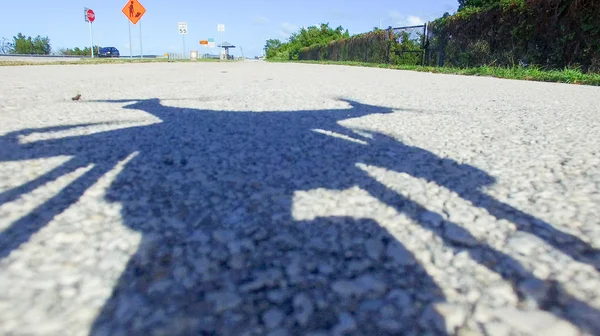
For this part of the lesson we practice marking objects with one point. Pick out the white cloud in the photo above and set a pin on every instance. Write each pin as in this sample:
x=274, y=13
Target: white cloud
x=259, y=20
x=415, y=20
x=286, y=29
x=397, y=19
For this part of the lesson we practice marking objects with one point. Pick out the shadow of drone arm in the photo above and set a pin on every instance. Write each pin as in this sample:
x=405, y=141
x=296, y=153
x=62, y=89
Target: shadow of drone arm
x=506, y=266
x=65, y=168
x=21, y=231
x=568, y=244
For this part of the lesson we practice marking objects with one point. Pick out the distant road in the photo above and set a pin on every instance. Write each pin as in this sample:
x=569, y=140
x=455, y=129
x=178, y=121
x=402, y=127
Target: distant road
x=39, y=59
x=45, y=59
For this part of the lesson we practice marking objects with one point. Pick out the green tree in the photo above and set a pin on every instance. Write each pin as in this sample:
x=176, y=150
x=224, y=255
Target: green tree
x=273, y=46
x=5, y=46
x=27, y=45
x=312, y=36
x=477, y=3
x=78, y=52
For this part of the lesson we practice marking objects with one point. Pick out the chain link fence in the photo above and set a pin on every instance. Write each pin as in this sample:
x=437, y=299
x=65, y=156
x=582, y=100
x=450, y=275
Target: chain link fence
x=401, y=45
x=546, y=34
x=409, y=46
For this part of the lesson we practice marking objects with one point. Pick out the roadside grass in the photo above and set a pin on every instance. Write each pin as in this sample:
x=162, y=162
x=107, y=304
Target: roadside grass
x=87, y=61
x=569, y=76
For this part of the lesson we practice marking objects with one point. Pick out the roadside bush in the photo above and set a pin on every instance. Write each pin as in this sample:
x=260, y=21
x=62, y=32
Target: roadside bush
x=553, y=34
x=372, y=47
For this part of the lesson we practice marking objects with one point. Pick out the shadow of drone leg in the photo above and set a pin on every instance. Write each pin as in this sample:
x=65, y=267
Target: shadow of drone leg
x=23, y=229
x=509, y=268
x=65, y=168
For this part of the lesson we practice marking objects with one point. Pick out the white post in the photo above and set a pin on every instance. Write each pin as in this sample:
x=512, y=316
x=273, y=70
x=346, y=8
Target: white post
x=183, y=38
x=130, y=52
x=141, y=50
x=91, y=40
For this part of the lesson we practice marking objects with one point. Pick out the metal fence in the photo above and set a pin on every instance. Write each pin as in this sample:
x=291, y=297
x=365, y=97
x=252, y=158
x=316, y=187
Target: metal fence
x=400, y=45
x=410, y=45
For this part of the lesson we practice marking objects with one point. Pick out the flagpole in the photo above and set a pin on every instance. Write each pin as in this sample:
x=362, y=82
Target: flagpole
x=130, y=51
x=141, y=50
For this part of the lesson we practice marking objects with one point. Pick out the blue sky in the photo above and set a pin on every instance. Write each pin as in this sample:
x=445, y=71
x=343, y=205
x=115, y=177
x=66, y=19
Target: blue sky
x=248, y=24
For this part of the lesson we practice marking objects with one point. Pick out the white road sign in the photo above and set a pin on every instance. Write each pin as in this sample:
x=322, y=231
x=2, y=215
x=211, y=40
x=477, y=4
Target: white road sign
x=221, y=27
x=183, y=28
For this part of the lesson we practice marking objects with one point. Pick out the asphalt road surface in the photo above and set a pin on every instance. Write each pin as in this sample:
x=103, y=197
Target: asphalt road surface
x=252, y=198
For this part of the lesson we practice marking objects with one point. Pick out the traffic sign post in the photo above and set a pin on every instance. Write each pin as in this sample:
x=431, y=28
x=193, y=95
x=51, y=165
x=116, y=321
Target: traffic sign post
x=130, y=52
x=183, y=30
x=90, y=16
x=134, y=11
x=141, y=47
x=221, y=29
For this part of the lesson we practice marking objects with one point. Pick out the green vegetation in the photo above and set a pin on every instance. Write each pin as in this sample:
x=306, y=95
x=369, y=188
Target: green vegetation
x=570, y=76
x=87, y=61
x=325, y=43
x=39, y=45
x=22, y=44
x=462, y=4
x=515, y=38
x=312, y=36
x=78, y=52
x=551, y=34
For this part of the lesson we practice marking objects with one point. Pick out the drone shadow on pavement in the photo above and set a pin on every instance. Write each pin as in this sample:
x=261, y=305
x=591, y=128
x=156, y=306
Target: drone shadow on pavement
x=212, y=194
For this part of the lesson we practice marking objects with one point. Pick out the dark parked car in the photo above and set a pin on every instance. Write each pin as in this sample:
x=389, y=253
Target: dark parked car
x=108, y=52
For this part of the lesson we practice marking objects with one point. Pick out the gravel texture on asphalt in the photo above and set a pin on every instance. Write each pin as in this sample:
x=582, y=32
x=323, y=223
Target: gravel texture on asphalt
x=252, y=198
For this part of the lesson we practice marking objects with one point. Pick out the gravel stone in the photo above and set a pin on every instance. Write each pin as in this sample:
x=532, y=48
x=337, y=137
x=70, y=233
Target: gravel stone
x=345, y=325
x=326, y=269
x=223, y=236
x=400, y=298
x=238, y=246
x=432, y=218
x=358, y=287
x=224, y=300
x=497, y=329
x=523, y=243
x=371, y=305
x=534, y=322
x=237, y=261
x=374, y=248
x=390, y=325
x=287, y=242
x=277, y=296
x=260, y=234
x=459, y=236
x=399, y=254
x=444, y=317
x=272, y=318
x=278, y=332
x=534, y=290
x=200, y=237
x=263, y=279
x=303, y=308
